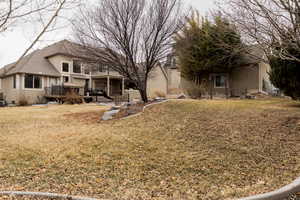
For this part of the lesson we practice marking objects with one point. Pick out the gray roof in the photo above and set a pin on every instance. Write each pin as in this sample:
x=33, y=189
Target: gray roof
x=37, y=62
x=253, y=54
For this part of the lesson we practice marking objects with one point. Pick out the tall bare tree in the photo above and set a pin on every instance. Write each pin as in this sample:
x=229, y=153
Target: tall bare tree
x=273, y=24
x=132, y=36
x=14, y=13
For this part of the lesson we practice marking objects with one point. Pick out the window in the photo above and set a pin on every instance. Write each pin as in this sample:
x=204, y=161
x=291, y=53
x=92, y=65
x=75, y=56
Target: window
x=65, y=67
x=102, y=68
x=33, y=82
x=14, y=82
x=220, y=81
x=77, y=67
x=66, y=79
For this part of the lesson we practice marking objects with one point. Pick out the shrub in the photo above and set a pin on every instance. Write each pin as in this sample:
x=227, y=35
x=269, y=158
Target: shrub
x=175, y=91
x=160, y=94
x=73, y=98
x=195, y=91
x=23, y=101
x=285, y=75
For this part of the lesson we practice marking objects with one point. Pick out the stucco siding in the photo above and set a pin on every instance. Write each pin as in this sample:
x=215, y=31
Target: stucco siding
x=14, y=95
x=32, y=96
x=157, y=82
x=57, y=61
x=78, y=81
x=174, y=81
x=11, y=94
x=244, y=79
x=264, y=70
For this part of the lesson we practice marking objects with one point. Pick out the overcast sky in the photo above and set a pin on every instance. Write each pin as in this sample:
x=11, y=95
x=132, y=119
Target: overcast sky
x=14, y=43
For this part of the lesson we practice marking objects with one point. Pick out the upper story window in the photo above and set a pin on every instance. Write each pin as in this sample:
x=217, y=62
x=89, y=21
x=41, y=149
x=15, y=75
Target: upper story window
x=32, y=81
x=77, y=67
x=102, y=68
x=65, y=67
x=220, y=81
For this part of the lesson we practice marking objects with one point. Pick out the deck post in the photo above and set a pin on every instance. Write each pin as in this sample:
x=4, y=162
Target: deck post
x=108, y=86
x=123, y=86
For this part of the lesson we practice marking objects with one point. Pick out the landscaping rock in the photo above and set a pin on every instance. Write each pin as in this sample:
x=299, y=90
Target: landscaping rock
x=108, y=115
x=182, y=96
x=159, y=99
x=52, y=103
x=115, y=108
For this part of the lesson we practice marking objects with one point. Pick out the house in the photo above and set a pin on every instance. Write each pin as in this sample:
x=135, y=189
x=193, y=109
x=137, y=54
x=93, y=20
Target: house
x=249, y=78
x=41, y=74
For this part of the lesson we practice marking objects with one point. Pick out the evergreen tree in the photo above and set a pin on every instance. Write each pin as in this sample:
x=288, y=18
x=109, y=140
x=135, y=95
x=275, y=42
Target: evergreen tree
x=285, y=74
x=205, y=47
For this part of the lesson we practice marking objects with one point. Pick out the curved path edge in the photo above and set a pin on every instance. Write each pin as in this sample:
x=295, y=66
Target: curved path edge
x=144, y=108
x=44, y=195
x=280, y=194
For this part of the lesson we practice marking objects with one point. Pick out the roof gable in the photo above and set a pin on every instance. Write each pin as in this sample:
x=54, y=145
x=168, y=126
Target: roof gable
x=37, y=62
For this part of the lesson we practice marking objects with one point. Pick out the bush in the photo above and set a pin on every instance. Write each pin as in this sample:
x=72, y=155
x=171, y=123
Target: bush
x=195, y=91
x=160, y=94
x=175, y=91
x=73, y=98
x=23, y=101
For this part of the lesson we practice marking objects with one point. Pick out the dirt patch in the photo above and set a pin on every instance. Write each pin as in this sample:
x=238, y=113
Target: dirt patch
x=91, y=117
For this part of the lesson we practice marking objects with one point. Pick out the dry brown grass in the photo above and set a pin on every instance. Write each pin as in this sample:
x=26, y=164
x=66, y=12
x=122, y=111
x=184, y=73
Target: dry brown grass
x=177, y=150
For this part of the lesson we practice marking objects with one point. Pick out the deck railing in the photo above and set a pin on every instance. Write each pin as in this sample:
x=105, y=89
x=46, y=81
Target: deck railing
x=55, y=90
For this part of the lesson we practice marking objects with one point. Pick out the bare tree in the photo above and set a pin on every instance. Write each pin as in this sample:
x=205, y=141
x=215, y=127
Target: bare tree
x=16, y=12
x=272, y=24
x=132, y=36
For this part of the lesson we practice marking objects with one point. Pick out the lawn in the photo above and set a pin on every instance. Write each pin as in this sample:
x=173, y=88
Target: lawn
x=177, y=150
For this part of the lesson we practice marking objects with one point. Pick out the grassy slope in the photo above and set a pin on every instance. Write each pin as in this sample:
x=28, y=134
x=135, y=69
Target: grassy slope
x=178, y=150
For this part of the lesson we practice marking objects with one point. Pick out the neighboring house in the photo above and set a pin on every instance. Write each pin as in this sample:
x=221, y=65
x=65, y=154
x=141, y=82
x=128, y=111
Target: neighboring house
x=250, y=78
x=39, y=74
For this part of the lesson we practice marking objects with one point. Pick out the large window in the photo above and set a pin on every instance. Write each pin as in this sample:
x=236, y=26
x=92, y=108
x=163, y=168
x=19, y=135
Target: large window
x=77, y=67
x=33, y=81
x=65, y=67
x=14, y=82
x=220, y=81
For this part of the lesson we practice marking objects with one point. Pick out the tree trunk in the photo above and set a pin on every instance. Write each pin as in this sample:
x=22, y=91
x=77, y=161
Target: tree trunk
x=143, y=93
